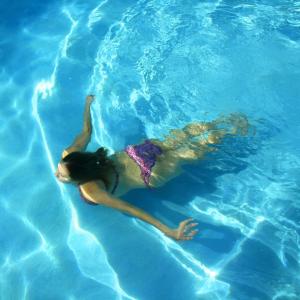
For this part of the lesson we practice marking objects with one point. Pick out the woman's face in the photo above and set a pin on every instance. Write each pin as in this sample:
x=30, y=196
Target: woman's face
x=62, y=173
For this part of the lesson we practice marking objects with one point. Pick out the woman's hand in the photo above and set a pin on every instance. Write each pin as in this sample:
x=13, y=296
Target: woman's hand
x=184, y=232
x=90, y=99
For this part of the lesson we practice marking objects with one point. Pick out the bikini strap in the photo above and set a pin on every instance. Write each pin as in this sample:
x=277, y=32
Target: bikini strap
x=116, y=181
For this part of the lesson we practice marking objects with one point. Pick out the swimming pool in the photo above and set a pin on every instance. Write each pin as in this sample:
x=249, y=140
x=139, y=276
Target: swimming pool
x=153, y=65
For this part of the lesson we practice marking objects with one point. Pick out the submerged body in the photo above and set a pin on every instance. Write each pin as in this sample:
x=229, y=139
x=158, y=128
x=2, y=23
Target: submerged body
x=178, y=148
x=150, y=164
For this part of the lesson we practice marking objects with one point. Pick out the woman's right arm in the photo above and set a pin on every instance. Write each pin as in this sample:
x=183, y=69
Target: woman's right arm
x=95, y=194
x=82, y=140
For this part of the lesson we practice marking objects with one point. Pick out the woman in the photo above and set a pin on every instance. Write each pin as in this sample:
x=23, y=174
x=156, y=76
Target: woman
x=102, y=179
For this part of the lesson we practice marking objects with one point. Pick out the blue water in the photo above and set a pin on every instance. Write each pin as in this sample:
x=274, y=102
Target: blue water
x=153, y=66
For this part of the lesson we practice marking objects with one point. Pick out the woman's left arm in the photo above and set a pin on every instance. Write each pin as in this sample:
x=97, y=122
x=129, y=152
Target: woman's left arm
x=95, y=194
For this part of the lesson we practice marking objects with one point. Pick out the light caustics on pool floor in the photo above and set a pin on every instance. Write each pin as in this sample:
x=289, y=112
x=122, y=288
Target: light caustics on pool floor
x=245, y=219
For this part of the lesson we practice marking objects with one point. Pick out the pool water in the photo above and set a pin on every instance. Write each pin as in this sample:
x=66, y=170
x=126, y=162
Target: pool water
x=153, y=66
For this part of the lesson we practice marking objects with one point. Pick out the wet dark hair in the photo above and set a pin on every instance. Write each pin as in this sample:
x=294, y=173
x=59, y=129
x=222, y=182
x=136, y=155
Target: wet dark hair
x=88, y=166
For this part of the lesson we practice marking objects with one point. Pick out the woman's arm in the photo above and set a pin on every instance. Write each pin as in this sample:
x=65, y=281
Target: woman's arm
x=87, y=120
x=82, y=140
x=93, y=193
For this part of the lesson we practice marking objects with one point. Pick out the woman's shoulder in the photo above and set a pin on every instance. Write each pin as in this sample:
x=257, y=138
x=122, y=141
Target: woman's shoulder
x=92, y=187
x=92, y=191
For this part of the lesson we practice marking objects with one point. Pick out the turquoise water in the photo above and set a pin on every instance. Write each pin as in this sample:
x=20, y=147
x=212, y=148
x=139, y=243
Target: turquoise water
x=153, y=65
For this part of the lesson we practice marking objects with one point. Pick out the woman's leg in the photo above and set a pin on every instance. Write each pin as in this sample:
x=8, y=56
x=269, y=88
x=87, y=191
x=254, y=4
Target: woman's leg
x=192, y=142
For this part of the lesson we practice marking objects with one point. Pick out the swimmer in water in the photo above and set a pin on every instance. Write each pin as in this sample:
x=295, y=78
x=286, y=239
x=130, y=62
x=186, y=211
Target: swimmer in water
x=102, y=179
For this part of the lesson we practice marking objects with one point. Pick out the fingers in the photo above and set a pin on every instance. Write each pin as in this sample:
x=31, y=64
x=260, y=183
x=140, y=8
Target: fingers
x=190, y=236
x=185, y=229
x=183, y=223
x=189, y=226
x=192, y=233
x=90, y=97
